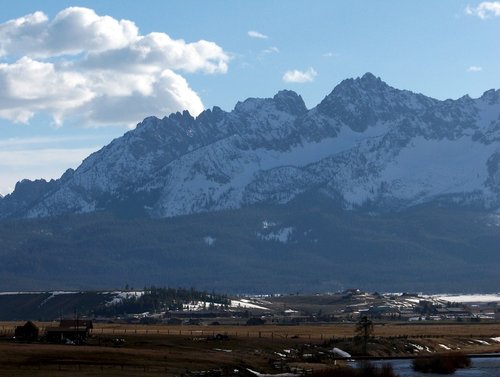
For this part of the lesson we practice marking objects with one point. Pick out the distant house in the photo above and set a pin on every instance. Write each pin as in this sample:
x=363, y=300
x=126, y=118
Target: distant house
x=453, y=313
x=75, y=330
x=28, y=332
x=62, y=334
x=383, y=311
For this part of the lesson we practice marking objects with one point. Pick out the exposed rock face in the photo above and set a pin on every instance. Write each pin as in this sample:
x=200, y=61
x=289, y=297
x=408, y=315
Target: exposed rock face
x=365, y=145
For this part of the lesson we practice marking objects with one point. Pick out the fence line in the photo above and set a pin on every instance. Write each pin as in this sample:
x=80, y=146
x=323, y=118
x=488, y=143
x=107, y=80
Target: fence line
x=243, y=332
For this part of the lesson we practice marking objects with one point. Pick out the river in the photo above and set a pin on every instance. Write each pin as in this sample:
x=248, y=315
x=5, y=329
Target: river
x=481, y=367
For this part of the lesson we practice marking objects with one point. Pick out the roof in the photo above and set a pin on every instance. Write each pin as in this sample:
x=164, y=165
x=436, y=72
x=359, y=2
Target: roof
x=67, y=329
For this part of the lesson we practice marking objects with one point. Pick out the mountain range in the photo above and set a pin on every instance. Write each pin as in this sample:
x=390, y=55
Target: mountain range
x=367, y=152
x=366, y=145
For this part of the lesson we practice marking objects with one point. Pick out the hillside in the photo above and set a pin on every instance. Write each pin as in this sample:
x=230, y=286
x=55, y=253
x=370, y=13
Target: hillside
x=307, y=245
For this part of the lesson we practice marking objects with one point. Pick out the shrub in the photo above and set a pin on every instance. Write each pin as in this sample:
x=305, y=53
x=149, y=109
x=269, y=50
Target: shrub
x=442, y=363
x=367, y=370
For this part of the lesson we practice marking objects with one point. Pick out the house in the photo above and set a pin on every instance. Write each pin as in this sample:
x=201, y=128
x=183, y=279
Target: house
x=383, y=311
x=63, y=334
x=28, y=332
x=453, y=313
x=73, y=330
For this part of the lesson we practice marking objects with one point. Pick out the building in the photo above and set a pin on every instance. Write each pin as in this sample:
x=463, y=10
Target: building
x=72, y=330
x=28, y=332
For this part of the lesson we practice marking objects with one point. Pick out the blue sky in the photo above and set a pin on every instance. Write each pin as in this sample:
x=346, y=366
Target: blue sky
x=75, y=75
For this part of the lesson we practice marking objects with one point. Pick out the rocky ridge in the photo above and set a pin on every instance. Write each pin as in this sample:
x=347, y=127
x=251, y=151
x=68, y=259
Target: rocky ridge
x=366, y=146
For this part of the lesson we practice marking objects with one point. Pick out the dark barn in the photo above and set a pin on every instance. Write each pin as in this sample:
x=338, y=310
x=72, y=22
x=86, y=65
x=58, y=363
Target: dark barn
x=28, y=332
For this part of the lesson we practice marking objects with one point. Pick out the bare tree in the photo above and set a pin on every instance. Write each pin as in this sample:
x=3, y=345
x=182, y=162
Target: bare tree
x=364, y=329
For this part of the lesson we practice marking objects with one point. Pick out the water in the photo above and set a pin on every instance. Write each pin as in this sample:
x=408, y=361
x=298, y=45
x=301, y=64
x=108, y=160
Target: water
x=481, y=367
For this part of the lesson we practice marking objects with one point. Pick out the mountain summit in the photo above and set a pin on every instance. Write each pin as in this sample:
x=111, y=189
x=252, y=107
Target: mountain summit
x=367, y=145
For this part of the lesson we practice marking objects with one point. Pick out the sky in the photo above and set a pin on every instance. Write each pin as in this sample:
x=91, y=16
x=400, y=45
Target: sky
x=76, y=74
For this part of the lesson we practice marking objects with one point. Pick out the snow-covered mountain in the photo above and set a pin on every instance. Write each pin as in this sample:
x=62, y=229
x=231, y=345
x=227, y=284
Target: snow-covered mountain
x=366, y=145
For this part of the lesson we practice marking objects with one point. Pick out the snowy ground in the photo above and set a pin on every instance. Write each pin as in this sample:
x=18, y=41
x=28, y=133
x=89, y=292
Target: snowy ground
x=468, y=298
x=245, y=303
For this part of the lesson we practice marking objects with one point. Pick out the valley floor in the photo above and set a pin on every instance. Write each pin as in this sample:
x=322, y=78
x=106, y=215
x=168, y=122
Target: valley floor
x=197, y=350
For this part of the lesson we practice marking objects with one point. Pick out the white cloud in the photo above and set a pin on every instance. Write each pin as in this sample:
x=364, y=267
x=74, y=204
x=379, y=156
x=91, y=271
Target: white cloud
x=484, y=10
x=271, y=50
x=28, y=86
x=256, y=34
x=73, y=30
x=296, y=76
x=140, y=97
x=97, y=69
x=474, y=68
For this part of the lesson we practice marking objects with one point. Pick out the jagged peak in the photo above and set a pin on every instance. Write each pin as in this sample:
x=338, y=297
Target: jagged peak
x=211, y=115
x=492, y=96
x=148, y=120
x=26, y=182
x=180, y=116
x=286, y=94
x=68, y=174
x=369, y=77
x=248, y=104
x=289, y=101
x=285, y=100
x=368, y=82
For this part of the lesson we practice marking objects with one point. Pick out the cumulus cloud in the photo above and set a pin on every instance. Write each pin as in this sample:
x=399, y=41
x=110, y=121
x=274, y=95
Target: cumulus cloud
x=474, y=68
x=73, y=30
x=484, y=10
x=97, y=69
x=256, y=34
x=296, y=76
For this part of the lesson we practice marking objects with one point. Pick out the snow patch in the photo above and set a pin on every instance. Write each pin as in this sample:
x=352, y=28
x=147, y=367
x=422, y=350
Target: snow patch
x=493, y=297
x=200, y=305
x=244, y=303
x=209, y=241
x=281, y=235
x=445, y=347
x=417, y=346
x=54, y=294
x=267, y=224
x=482, y=342
x=428, y=168
x=272, y=375
x=494, y=219
x=120, y=296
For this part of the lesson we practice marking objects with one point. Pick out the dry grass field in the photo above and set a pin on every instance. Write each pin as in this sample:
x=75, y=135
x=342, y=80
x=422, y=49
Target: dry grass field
x=175, y=350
